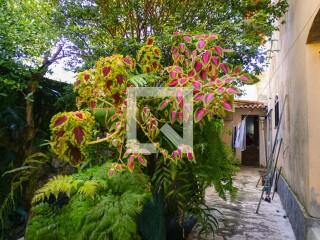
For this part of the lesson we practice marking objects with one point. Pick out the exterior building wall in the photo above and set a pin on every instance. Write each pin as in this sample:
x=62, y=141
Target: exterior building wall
x=295, y=71
x=313, y=99
x=235, y=119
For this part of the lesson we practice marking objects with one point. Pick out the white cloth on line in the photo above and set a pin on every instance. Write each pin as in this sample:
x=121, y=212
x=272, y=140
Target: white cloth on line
x=241, y=136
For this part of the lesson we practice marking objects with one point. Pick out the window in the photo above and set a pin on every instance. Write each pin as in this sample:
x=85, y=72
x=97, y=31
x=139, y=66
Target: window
x=276, y=112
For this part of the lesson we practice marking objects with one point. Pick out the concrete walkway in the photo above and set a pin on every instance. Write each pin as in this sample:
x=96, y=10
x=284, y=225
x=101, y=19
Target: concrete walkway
x=239, y=220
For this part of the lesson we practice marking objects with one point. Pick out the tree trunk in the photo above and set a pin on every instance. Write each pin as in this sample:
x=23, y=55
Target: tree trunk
x=35, y=79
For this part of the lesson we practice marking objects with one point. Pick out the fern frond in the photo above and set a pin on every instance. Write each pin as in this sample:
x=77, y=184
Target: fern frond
x=89, y=188
x=28, y=169
x=56, y=185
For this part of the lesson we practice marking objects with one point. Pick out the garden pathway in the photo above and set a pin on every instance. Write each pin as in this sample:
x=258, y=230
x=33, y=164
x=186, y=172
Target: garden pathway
x=239, y=220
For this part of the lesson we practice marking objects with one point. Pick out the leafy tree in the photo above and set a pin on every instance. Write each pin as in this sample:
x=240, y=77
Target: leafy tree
x=102, y=27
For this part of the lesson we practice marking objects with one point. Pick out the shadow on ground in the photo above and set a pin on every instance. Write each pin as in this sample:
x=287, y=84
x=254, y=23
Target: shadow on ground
x=238, y=220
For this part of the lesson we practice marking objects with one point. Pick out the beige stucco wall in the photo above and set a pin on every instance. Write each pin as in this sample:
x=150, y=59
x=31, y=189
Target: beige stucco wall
x=235, y=120
x=313, y=99
x=295, y=71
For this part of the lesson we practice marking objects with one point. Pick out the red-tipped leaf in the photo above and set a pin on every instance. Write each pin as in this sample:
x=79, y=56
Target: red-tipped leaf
x=60, y=121
x=78, y=134
x=106, y=71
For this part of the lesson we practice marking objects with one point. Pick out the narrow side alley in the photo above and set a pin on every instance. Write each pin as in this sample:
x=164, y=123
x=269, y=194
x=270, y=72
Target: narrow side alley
x=239, y=220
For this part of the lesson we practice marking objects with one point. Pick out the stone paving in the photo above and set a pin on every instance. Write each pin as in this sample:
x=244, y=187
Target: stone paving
x=239, y=220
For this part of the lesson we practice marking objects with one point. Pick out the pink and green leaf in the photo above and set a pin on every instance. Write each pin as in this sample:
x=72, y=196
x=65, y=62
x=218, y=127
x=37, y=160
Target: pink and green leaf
x=224, y=67
x=131, y=166
x=175, y=155
x=175, y=57
x=199, y=97
x=245, y=78
x=219, y=50
x=208, y=98
x=203, y=74
x=173, y=116
x=227, y=105
x=182, y=80
x=126, y=154
x=110, y=172
x=206, y=57
x=173, y=74
x=215, y=60
x=201, y=44
x=174, y=49
x=220, y=90
x=192, y=73
x=237, y=70
x=232, y=91
x=187, y=39
x=197, y=85
x=173, y=83
x=199, y=114
x=142, y=161
x=182, y=47
x=190, y=156
x=198, y=66
x=163, y=104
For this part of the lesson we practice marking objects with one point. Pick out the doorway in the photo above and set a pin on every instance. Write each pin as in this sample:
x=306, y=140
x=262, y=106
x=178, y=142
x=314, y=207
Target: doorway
x=250, y=156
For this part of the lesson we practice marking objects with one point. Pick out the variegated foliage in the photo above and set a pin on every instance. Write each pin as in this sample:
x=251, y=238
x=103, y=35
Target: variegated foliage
x=197, y=62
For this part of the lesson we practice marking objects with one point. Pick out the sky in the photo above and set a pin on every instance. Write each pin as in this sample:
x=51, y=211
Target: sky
x=60, y=74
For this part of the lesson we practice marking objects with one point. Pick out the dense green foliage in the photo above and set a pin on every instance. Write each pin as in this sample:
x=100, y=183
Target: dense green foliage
x=102, y=27
x=89, y=205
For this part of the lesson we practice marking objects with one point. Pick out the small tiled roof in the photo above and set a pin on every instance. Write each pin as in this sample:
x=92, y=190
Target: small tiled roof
x=249, y=104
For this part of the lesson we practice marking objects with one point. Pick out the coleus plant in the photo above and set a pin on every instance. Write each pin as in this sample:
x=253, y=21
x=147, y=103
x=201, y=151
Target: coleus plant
x=197, y=63
x=70, y=133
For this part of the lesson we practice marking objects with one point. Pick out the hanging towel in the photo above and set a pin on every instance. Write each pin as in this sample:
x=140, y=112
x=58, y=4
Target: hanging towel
x=234, y=136
x=241, y=136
